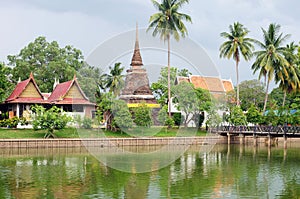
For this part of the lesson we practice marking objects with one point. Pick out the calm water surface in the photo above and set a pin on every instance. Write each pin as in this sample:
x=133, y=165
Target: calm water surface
x=234, y=172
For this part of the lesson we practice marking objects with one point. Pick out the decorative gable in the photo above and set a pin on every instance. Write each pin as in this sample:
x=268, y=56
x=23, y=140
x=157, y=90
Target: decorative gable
x=74, y=92
x=30, y=91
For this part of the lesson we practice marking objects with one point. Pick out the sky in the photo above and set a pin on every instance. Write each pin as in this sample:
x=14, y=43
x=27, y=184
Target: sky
x=90, y=23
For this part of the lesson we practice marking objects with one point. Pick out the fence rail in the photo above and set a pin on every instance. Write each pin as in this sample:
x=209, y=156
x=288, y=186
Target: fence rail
x=276, y=131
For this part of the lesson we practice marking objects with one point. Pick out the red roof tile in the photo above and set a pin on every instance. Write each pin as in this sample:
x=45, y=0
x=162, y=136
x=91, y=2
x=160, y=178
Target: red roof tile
x=60, y=91
x=227, y=85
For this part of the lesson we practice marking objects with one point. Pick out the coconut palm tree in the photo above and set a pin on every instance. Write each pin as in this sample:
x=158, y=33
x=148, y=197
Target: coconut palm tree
x=114, y=80
x=270, y=59
x=235, y=46
x=289, y=76
x=169, y=22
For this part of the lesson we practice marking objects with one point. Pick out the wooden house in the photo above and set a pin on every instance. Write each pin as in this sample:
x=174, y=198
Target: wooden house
x=67, y=95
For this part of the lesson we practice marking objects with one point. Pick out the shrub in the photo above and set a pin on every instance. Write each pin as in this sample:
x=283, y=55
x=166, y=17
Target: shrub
x=87, y=123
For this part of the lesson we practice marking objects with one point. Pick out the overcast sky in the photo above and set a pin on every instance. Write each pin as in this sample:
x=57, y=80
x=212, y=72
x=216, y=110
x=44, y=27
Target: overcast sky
x=86, y=24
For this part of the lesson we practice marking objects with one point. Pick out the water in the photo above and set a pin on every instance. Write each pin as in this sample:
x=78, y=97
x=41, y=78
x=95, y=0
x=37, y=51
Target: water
x=234, y=172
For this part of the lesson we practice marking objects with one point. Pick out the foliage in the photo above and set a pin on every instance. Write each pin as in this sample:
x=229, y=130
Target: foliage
x=191, y=101
x=6, y=85
x=253, y=115
x=177, y=117
x=142, y=115
x=51, y=119
x=235, y=46
x=47, y=60
x=160, y=88
x=237, y=116
x=10, y=123
x=89, y=79
x=213, y=119
x=163, y=117
x=270, y=59
x=122, y=118
x=270, y=118
x=87, y=123
x=251, y=93
x=114, y=80
x=104, y=106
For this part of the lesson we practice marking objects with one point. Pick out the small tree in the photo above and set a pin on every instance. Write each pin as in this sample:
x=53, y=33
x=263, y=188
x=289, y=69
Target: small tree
x=121, y=116
x=142, y=115
x=253, y=115
x=52, y=119
x=237, y=116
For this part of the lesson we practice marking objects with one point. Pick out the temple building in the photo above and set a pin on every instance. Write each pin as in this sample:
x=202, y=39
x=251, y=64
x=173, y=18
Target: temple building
x=137, y=89
x=67, y=96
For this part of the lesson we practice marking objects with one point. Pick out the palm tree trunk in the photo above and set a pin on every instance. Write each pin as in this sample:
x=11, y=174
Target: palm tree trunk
x=237, y=83
x=284, y=98
x=266, y=97
x=169, y=74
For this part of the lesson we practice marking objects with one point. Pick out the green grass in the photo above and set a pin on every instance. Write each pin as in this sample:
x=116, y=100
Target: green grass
x=98, y=133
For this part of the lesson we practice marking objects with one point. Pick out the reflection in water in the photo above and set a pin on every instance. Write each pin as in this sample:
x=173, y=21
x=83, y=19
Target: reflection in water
x=235, y=171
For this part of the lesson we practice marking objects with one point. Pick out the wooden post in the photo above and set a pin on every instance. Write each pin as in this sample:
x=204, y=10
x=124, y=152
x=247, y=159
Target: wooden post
x=242, y=138
x=254, y=140
x=269, y=141
x=228, y=138
x=285, y=142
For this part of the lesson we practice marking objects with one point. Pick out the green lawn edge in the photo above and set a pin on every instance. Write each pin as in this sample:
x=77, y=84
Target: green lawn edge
x=98, y=133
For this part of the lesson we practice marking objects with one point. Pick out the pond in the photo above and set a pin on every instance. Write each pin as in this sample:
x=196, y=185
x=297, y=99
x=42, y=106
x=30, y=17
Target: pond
x=224, y=172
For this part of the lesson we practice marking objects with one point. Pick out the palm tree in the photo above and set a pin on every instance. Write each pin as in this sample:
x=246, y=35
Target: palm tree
x=237, y=44
x=114, y=80
x=270, y=59
x=169, y=22
x=289, y=76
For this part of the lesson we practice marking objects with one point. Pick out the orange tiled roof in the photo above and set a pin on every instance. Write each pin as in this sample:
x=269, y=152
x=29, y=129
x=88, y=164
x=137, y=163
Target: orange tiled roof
x=227, y=85
x=212, y=84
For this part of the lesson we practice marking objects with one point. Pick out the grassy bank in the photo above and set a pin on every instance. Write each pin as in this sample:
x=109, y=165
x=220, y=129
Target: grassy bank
x=97, y=133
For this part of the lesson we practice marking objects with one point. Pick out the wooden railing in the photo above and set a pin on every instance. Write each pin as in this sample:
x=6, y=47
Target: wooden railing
x=278, y=131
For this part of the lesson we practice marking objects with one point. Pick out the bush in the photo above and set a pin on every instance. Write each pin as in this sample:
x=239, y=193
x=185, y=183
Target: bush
x=87, y=123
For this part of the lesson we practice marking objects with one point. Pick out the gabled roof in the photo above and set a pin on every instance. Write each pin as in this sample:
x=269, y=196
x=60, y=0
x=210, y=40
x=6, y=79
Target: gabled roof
x=214, y=85
x=227, y=85
x=15, y=96
x=60, y=92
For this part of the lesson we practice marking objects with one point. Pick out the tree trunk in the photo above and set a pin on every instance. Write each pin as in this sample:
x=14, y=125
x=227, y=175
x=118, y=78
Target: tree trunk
x=284, y=98
x=266, y=97
x=237, y=83
x=169, y=74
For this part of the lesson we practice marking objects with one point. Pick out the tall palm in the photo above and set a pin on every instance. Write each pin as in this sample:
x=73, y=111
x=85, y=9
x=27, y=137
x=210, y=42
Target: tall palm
x=169, y=22
x=235, y=46
x=114, y=80
x=289, y=76
x=270, y=59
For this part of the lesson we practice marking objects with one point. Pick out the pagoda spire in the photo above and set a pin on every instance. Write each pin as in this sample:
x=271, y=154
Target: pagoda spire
x=136, y=61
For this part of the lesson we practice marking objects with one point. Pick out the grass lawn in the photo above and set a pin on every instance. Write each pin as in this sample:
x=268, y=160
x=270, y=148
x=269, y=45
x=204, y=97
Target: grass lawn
x=98, y=133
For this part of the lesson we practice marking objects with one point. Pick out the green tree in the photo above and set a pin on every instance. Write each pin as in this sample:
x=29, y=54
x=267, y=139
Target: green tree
x=235, y=46
x=122, y=118
x=251, y=92
x=142, y=115
x=104, y=106
x=51, y=119
x=47, y=60
x=6, y=85
x=289, y=76
x=115, y=80
x=191, y=101
x=169, y=22
x=253, y=115
x=90, y=81
x=160, y=88
x=237, y=117
x=270, y=58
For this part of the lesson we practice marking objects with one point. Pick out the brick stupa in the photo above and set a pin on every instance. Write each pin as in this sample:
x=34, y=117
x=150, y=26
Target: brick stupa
x=137, y=89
